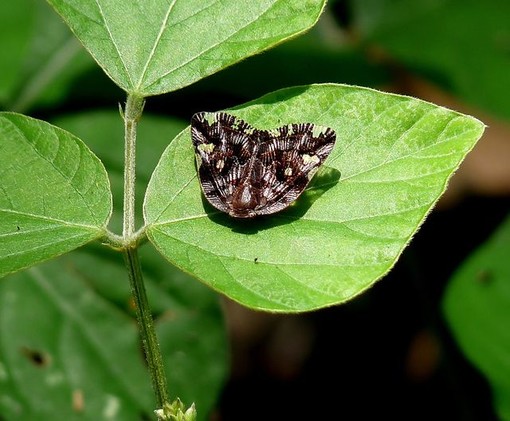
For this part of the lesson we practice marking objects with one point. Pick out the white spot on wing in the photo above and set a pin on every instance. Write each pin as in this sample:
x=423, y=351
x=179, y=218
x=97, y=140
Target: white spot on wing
x=317, y=130
x=310, y=159
x=206, y=147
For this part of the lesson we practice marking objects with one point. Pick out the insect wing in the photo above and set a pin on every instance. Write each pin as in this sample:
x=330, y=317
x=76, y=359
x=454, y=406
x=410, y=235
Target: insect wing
x=290, y=156
x=223, y=146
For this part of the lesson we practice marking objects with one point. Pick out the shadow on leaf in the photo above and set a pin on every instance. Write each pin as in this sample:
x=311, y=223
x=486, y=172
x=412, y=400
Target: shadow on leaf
x=324, y=180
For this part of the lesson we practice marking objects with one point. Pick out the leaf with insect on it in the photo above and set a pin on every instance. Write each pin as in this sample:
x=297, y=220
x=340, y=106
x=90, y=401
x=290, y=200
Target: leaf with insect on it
x=391, y=162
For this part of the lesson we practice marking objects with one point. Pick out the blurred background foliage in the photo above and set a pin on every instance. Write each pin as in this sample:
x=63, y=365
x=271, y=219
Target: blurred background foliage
x=392, y=352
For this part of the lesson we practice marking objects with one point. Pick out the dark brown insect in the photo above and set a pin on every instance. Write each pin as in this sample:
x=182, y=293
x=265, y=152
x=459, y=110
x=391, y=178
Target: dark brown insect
x=247, y=172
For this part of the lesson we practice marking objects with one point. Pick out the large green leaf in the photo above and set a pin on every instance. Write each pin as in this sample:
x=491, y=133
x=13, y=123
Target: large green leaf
x=392, y=161
x=54, y=192
x=149, y=48
x=477, y=307
x=66, y=353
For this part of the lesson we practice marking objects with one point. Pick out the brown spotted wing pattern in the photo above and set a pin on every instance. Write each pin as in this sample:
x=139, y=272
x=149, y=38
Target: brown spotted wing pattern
x=247, y=172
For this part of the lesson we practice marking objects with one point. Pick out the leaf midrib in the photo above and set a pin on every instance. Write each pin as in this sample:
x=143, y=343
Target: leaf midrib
x=211, y=47
x=52, y=219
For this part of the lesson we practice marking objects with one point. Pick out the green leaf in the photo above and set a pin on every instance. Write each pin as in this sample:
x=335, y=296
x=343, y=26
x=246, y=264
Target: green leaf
x=440, y=40
x=166, y=45
x=66, y=353
x=54, y=192
x=391, y=162
x=40, y=57
x=477, y=307
x=14, y=39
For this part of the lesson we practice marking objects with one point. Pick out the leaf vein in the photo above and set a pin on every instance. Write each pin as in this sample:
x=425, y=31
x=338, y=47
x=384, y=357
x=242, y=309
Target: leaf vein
x=211, y=47
x=117, y=49
x=156, y=42
x=48, y=218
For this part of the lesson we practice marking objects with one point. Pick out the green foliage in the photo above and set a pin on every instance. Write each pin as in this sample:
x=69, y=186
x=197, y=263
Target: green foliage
x=169, y=45
x=55, y=352
x=477, y=308
x=68, y=344
x=392, y=160
x=60, y=203
x=462, y=45
x=66, y=351
x=40, y=57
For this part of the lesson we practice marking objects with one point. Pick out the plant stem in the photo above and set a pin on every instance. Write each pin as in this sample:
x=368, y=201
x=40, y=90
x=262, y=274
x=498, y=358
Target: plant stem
x=146, y=325
x=131, y=115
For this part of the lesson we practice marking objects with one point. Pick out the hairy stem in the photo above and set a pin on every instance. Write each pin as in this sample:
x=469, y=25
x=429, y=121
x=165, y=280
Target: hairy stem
x=146, y=325
x=132, y=113
x=129, y=242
